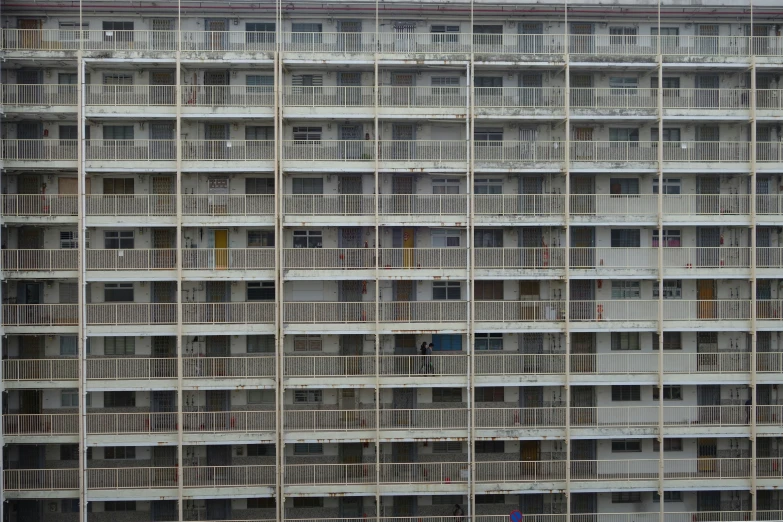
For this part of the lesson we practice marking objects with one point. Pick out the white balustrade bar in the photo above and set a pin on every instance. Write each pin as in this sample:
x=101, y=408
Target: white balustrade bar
x=222, y=421
x=131, y=313
x=39, y=204
x=38, y=94
x=131, y=259
x=236, y=313
x=15, y=260
x=40, y=424
x=131, y=368
x=228, y=258
x=40, y=314
x=223, y=367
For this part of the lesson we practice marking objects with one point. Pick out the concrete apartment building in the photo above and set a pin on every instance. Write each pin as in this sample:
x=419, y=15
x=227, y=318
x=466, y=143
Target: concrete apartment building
x=228, y=226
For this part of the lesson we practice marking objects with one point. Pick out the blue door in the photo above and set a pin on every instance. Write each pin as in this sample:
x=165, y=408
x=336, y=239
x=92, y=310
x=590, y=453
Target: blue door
x=447, y=343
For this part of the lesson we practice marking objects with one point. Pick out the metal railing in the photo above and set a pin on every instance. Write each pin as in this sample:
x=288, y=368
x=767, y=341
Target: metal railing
x=520, y=471
x=227, y=204
x=436, y=364
x=307, y=474
x=17, y=260
x=40, y=424
x=223, y=476
x=227, y=150
x=132, y=259
x=228, y=258
x=329, y=204
x=341, y=43
x=329, y=96
x=509, y=151
x=222, y=421
x=40, y=479
x=40, y=204
x=424, y=311
x=131, y=313
x=519, y=204
x=108, y=423
x=197, y=367
x=520, y=97
x=40, y=314
x=423, y=150
x=235, y=313
x=227, y=96
x=417, y=258
x=424, y=472
x=424, y=419
x=135, y=150
x=331, y=420
x=718, y=99
x=428, y=204
x=38, y=94
x=131, y=204
x=138, y=95
x=328, y=365
x=40, y=369
x=328, y=258
x=227, y=41
x=132, y=478
x=499, y=418
x=329, y=150
x=488, y=363
x=512, y=258
x=434, y=98
x=613, y=98
x=328, y=312
x=131, y=368
x=40, y=149
x=519, y=311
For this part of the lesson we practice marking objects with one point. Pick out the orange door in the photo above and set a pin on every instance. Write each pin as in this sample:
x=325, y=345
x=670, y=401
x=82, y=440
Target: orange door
x=221, y=249
x=706, y=296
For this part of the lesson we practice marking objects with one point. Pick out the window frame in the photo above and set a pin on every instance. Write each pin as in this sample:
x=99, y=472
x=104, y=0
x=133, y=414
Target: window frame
x=446, y=291
x=488, y=341
x=118, y=292
x=626, y=393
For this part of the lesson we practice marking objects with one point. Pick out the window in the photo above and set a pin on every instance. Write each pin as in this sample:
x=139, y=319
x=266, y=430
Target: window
x=672, y=289
x=306, y=33
x=259, y=185
x=671, y=341
x=670, y=185
x=446, y=290
x=117, y=79
x=671, y=84
x=261, y=291
x=622, y=341
x=260, y=503
x=445, y=186
x=308, y=343
x=119, y=399
x=307, y=134
x=69, y=32
x=447, y=395
x=623, y=134
x=445, y=237
x=67, y=79
x=488, y=81
x=490, y=499
x=670, y=37
x=69, y=398
x=485, y=137
x=119, y=505
x=308, y=448
x=624, y=186
x=490, y=446
x=625, y=290
x=622, y=35
x=487, y=34
x=488, y=291
x=670, y=135
x=626, y=238
x=671, y=392
x=626, y=393
x=260, y=32
x=260, y=133
x=117, y=132
x=308, y=502
x=260, y=396
x=260, y=84
x=118, y=292
x=69, y=240
x=69, y=452
x=307, y=185
x=69, y=505
x=488, y=238
x=68, y=346
x=622, y=85
x=445, y=85
x=114, y=186
x=308, y=396
x=308, y=239
x=119, y=346
x=260, y=239
x=451, y=446
x=67, y=133
x=488, y=186
x=671, y=238
x=119, y=452
x=446, y=500
x=445, y=33
x=122, y=239
x=490, y=394
x=489, y=341
x=261, y=450
x=668, y=496
x=626, y=497
x=626, y=445
x=261, y=344
x=668, y=445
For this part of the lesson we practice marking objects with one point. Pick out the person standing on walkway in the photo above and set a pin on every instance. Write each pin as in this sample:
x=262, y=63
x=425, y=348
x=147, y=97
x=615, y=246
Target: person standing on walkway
x=424, y=359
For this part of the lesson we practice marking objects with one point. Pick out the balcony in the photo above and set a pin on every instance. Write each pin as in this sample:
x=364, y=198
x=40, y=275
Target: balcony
x=25, y=370
x=130, y=100
x=509, y=155
x=255, y=317
x=42, y=428
x=40, y=154
x=222, y=209
x=227, y=155
x=48, y=208
x=137, y=368
x=51, y=98
x=220, y=368
x=138, y=209
x=530, y=102
x=38, y=318
x=41, y=480
x=133, y=264
x=229, y=263
x=113, y=314
x=39, y=262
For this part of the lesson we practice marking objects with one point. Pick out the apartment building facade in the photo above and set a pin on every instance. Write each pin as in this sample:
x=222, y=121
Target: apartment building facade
x=229, y=227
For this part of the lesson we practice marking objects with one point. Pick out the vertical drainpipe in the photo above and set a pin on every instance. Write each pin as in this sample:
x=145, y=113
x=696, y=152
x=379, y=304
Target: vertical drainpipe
x=753, y=280
x=179, y=344
x=376, y=337
x=567, y=264
x=279, y=315
x=471, y=257
x=82, y=285
x=659, y=224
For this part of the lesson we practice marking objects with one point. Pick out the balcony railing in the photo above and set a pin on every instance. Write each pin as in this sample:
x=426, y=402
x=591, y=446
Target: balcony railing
x=39, y=94
x=227, y=96
x=424, y=419
x=429, y=204
x=226, y=476
x=329, y=96
x=132, y=259
x=509, y=151
x=436, y=364
x=424, y=311
x=329, y=258
x=518, y=363
x=41, y=424
x=717, y=99
x=223, y=41
x=343, y=43
x=308, y=474
x=225, y=367
x=40, y=369
x=222, y=421
x=134, y=150
x=131, y=313
x=519, y=311
x=37, y=150
x=423, y=150
x=329, y=365
x=107, y=423
x=40, y=204
x=131, y=204
x=91, y=40
x=138, y=95
x=520, y=97
x=330, y=204
x=423, y=97
x=236, y=313
x=228, y=258
x=227, y=150
x=499, y=418
x=519, y=204
x=40, y=259
x=131, y=368
x=417, y=258
x=514, y=258
x=132, y=478
x=328, y=312
x=332, y=420
x=40, y=314
x=329, y=150
x=40, y=479
x=227, y=204
x=609, y=98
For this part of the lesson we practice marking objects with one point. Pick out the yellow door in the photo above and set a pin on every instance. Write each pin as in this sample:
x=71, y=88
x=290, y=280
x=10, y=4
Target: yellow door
x=707, y=452
x=529, y=453
x=221, y=249
x=407, y=244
